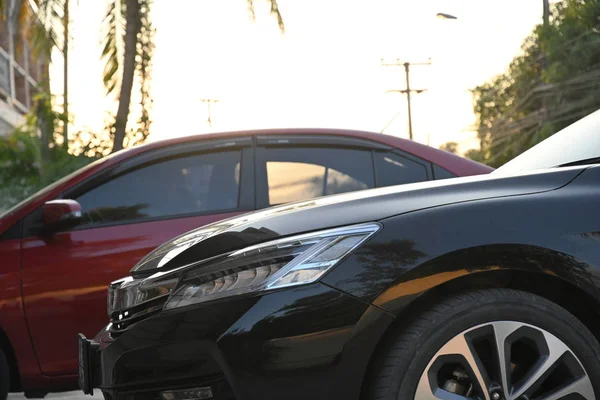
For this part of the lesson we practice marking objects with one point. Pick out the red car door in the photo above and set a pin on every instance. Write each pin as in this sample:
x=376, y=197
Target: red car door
x=128, y=211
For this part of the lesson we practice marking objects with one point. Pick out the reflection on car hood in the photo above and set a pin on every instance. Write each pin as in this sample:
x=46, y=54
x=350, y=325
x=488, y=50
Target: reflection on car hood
x=577, y=142
x=331, y=211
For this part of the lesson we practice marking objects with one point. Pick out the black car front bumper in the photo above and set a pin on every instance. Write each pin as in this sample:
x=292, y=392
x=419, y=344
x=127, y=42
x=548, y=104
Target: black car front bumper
x=304, y=342
x=87, y=364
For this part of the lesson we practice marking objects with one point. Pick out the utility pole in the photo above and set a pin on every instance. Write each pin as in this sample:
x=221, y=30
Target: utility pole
x=66, y=75
x=544, y=55
x=408, y=90
x=546, y=13
x=209, y=102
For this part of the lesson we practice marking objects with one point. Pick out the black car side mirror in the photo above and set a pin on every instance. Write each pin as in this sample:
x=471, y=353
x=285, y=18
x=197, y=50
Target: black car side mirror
x=60, y=215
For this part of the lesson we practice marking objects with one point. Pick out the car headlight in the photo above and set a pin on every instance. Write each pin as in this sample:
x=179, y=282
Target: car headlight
x=292, y=261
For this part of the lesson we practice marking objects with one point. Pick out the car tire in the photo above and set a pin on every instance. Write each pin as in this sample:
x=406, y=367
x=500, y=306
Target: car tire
x=452, y=350
x=4, y=376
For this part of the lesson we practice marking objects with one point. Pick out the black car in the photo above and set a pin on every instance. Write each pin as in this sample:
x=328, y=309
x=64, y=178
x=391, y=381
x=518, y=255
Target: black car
x=484, y=287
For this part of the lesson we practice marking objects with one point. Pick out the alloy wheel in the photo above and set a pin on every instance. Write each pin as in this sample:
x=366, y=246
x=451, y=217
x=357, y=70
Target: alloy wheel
x=505, y=360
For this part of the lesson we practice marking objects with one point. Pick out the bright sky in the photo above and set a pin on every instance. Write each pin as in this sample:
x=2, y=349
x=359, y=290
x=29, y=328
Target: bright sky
x=325, y=71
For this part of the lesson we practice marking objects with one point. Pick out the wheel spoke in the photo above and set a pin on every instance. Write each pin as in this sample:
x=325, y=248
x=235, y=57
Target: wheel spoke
x=532, y=362
x=501, y=332
x=583, y=387
x=556, y=349
x=459, y=345
x=424, y=390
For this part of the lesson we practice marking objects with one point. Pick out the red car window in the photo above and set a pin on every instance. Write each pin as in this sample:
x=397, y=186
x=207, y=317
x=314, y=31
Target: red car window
x=187, y=185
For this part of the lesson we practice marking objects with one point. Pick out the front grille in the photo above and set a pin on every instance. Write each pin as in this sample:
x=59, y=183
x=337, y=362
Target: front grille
x=123, y=319
x=152, y=390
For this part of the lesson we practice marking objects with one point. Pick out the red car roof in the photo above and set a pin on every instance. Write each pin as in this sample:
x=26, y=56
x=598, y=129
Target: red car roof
x=457, y=165
x=453, y=163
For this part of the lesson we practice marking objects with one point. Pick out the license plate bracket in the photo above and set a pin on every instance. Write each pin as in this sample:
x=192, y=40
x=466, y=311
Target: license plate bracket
x=86, y=364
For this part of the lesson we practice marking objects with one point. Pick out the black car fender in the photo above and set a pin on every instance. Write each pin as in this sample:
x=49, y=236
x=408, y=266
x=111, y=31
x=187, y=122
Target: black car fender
x=548, y=236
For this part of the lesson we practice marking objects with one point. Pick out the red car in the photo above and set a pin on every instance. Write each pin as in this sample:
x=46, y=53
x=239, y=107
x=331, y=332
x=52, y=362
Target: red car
x=62, y=247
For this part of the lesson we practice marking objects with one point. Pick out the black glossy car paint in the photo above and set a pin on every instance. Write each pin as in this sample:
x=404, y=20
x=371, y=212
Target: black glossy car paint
x=317, y=341
x=357, y=207
x=256, y=344
x=548, y=232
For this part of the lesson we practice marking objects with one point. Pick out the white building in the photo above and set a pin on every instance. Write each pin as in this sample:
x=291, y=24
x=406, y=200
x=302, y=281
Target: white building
x=20, y=71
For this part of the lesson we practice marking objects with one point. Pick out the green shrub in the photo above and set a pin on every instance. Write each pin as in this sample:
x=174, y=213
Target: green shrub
x=22, y=171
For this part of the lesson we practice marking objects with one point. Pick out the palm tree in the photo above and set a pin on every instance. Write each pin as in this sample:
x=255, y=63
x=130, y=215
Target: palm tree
x=40, y=21
x=128, y=13
x=47, y=14
x=127, y=26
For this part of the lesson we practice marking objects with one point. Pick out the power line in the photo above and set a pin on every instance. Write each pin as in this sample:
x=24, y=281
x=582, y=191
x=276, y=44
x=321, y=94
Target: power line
x=578, y=97
x=408, y=90
x=543, y=58
x=542, y=103
x=390, y=122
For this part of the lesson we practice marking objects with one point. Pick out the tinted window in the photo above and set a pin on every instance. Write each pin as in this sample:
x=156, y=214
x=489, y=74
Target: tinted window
x=441, y=173
x=302, y=173
x=194, y=184
x=393, y=169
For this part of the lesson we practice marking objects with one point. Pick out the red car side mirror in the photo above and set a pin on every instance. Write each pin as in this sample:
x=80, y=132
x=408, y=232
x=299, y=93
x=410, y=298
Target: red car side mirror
x=61, y=214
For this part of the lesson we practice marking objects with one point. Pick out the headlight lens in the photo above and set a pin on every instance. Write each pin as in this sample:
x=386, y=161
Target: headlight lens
x=281, y=263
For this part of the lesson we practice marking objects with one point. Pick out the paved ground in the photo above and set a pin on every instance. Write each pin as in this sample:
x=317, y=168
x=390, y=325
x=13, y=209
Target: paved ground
x=60, y=396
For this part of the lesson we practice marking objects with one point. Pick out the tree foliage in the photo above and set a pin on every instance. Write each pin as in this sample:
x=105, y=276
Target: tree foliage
x=127, y=53
x=27, y=164
x=38, y=152
x=553, y=82
x=451, y=147
x=39, y=21
x=127, y=49
x=274, y=12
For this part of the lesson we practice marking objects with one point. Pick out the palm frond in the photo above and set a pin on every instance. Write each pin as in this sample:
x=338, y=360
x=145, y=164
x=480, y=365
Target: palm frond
x=250, y=9
x=24, y=16
x=41, y=21
x=42, y=41
x=113, y=30
x=3, y=10
x=145, y=51
x=274, y=11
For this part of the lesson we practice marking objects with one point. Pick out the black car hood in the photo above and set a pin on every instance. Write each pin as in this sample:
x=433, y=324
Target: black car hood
x=332, y=211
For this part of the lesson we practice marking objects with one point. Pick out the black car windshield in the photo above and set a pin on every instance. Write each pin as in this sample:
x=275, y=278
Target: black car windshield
x=578, y=143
